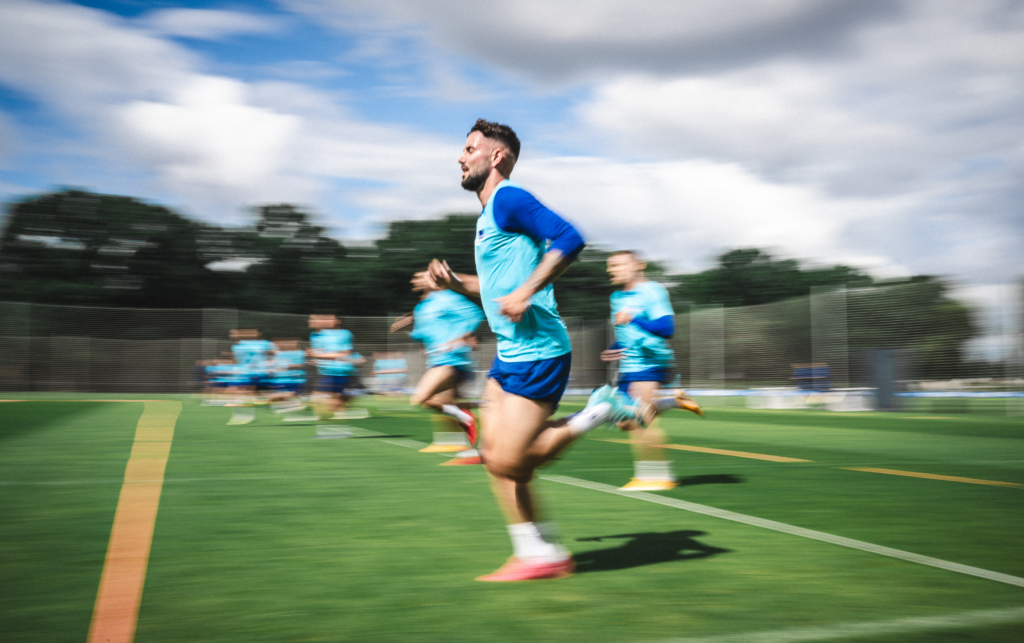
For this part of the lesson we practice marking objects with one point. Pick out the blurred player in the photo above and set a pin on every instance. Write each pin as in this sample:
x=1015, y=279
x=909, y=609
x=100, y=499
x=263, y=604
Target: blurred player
x=251, y=357
x=521, y=248
x=286, y=376
x=389, y=372
x=644, y=322
x=444, y=322
x=336, y=362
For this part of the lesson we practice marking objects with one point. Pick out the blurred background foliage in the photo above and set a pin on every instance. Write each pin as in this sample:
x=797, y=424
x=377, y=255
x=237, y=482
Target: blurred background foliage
x=77, y=248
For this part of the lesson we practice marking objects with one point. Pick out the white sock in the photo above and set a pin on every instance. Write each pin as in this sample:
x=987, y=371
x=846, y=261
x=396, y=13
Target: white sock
x=665, y=403
x=653, y=470
x=457, y=413
x=529, y=544
x=588, y=419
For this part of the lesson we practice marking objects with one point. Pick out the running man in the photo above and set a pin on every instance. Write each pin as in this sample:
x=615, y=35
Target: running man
x=336, y=362
x=444, y=322
x=515, y=269
x=644, y=322
x=286, y=379
x=251, y=356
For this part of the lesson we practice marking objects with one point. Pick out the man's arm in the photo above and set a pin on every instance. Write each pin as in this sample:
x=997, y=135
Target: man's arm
x=440, y=275
x=551, y=267
x=516, y=210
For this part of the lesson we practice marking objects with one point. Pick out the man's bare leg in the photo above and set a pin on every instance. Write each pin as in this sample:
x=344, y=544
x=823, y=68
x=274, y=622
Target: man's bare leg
x=652, y=467
x=436, y=391
x=520, y=438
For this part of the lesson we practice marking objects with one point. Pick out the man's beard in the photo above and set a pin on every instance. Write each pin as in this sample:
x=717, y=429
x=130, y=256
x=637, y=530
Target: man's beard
x=473, y=182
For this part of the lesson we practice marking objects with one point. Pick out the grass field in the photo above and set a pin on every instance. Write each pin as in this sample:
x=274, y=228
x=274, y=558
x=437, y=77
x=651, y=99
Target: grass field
x=267, y=534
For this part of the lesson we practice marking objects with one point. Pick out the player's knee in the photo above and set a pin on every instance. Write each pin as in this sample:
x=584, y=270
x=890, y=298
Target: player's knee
x=505, y=468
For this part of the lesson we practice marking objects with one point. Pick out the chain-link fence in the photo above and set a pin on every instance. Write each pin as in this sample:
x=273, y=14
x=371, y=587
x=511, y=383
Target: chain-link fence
x=70, y=348
x=833, y=338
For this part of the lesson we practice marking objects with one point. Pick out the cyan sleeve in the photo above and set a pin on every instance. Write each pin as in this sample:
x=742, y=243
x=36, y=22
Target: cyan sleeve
x=516, y=210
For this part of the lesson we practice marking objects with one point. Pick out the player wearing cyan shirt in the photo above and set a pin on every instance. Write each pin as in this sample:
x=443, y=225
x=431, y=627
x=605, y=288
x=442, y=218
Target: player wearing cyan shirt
x=644, y=322
x=336, y=362
x=250, y=353
x=521, y=248
x=444, y=322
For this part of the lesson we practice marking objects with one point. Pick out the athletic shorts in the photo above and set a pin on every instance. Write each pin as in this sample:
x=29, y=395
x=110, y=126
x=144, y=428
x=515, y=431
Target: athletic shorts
x=289, y=387
x=462, y=373
x=543, y=380
x=241, y=380
x=661, y=375
x=333, y=383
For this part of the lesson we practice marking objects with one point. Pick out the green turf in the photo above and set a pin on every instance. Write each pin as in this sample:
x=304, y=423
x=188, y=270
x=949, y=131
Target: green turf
x=266, y=534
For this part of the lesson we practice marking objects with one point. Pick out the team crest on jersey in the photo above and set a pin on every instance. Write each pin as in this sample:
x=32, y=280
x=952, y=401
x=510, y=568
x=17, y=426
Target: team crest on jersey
x=479, y=237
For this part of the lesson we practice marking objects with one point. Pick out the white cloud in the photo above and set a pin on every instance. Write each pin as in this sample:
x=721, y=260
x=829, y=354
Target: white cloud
x=208, y=24
x=687, y=212
x=580, y=38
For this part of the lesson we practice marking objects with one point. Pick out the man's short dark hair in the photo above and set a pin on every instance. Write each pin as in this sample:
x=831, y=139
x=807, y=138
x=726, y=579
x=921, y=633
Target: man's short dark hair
x=498, y=132
x=637, y=256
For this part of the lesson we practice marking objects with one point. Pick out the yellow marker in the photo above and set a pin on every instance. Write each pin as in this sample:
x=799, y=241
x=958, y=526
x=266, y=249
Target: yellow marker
x=932, y=476
x=124, y=570
x=736, y=454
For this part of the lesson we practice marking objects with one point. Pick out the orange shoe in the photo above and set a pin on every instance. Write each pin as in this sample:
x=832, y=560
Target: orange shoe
x=636, y=484
x=517, y=570
x=687, y=404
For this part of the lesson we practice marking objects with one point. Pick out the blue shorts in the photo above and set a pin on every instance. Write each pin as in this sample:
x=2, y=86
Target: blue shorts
x=241, y=380
x=650, y=375
x=290, y=387
x=543, y=380
x=333, y=383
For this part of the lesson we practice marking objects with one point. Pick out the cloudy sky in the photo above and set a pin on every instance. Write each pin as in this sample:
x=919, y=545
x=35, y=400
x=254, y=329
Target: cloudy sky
x=884, y=134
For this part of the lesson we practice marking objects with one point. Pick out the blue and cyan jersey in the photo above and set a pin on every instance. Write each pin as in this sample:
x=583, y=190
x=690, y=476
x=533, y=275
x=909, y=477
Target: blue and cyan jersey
x=252, y=355
x=441, y=319
x=511, y=239
x=333, y=340
x=644, y=350
x=287, y=367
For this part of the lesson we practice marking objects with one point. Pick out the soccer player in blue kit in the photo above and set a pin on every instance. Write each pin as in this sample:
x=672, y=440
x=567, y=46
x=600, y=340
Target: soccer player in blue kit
x=644, y=321
x=521, y=248
x=336, y=361
x=443, y=322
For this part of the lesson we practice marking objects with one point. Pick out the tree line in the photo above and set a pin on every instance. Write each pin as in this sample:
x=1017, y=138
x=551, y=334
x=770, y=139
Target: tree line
x=79, y=248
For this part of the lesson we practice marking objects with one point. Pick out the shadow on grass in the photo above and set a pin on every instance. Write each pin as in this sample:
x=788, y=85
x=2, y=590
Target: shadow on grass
x=649, y=548
x=721, y=478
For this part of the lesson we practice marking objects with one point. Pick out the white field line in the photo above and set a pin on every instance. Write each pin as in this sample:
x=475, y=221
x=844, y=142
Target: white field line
x=963, y=620
x=793, y=530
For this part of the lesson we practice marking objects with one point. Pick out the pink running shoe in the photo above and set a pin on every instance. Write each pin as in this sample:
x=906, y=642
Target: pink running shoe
x=470, y=427
x=517, y=570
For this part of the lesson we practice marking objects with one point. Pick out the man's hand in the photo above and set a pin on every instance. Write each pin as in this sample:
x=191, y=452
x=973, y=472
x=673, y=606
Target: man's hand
x=611, y=355
x=402, y=321
x=624, y=316
x=515, y=304
x=440, y=276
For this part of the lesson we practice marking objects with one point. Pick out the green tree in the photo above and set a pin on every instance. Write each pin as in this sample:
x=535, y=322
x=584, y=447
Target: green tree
x=75, y=247
x=749, y=276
